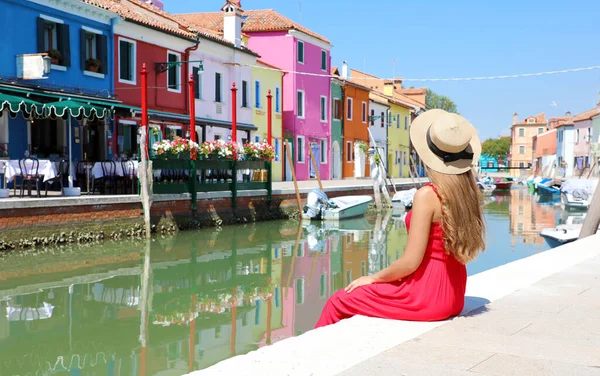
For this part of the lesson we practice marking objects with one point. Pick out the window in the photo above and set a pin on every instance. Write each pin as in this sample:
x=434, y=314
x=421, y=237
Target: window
x=337, y=109
x=348, y=277
x=521, y=132
x=406, y=122
x=323, y=150
x=94, y=50
x=589, y=136
x=197, y=82
x=174, y=73
x=577, y=135
x=300, y=147
x=397, y=158
x=349, y=108
x=348, y=151
x=405, y=157
x=323, y=109
x=300, y=103
x=382, y=119
x=324, y=60
x=53, y=34
x=560, y=136
x=301, y=52
x=389, y=118
x=277, y=100
x=277, y=150
x=218, y=87
x=540, y=130
x=364, y=112
x=245, y=94
x=398, y=117
x=299, y=291
x=363, y=268
x=372, y=117
x=127, y=61
x=257, y=95
x=522, y=149
x=531, y=120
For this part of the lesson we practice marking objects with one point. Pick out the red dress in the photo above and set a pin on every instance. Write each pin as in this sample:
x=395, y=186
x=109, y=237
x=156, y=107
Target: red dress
x=434, y=292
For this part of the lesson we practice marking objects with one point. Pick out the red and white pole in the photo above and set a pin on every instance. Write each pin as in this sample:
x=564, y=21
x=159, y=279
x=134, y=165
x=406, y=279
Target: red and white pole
x=144, y=79
x=270, y=118
x=192, y=95
x=234, y=113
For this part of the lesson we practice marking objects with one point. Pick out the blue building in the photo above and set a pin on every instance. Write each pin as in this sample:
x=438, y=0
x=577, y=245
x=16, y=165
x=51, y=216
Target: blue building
x=78, y=38
x=488, y=163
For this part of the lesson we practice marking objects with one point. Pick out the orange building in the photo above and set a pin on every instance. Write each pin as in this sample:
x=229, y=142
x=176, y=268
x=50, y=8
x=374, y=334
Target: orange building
x=522, y=133
x=527, y=218
x=355, y=125
x=355, y=249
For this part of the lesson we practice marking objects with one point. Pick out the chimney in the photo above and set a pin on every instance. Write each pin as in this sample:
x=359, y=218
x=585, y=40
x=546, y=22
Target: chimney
x=232, y=22
x=515, y=116
x=345, y=70
x=388, y=87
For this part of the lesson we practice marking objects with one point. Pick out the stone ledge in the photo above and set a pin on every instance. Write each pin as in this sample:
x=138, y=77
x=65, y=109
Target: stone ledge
x=50, y=202
x=336, y=348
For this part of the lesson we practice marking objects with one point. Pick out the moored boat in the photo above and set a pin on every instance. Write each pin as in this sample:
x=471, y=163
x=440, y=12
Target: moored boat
x=576, y=194
x=503, y=185
x=319, y=207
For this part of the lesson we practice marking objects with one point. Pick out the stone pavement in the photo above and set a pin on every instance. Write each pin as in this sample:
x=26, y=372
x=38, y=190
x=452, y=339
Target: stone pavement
x=549, y=328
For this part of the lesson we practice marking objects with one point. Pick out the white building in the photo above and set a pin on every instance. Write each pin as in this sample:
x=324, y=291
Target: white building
x=379, y=121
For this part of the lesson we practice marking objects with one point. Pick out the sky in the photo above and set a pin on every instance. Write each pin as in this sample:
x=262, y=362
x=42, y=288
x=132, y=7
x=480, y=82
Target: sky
x=460, y=38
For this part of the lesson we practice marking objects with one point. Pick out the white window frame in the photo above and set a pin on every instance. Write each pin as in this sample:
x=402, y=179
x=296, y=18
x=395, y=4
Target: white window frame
x=519, y=132
x=364, y=112
x=406, y=122
x=133, y=60
x=349, y=155
x=323, y=146
x=301, y=151
x=336, y=113
x=323, y=108
x=303, y=104
x=222, y=98
x=199, y=79
x=349, y=109
x=303, y=52
x=179, y=81
x=524, y=148
x=542, y=130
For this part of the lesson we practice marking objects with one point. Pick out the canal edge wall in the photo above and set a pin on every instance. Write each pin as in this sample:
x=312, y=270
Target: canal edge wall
x=25, y=223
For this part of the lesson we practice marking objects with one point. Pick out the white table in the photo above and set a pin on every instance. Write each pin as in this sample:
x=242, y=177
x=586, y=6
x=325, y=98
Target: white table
x=97, y=172
x=46, y=168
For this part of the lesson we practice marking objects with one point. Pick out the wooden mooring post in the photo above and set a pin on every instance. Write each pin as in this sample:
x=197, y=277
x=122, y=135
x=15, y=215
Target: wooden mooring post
x=592, y=219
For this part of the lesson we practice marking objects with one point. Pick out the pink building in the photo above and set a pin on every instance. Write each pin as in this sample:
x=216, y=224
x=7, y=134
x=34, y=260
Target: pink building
x=306, y=99
x=583, y=139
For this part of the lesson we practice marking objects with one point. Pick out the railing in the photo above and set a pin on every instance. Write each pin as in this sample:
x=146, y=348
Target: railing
x=177, y=176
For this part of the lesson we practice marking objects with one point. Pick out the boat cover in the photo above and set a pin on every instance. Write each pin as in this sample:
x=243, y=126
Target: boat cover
x=579, y=188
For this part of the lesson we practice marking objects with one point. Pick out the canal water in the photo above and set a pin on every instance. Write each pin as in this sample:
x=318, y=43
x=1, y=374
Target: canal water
x=184, y=303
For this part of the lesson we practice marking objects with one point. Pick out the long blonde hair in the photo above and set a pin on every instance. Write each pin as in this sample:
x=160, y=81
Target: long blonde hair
x=462, y=214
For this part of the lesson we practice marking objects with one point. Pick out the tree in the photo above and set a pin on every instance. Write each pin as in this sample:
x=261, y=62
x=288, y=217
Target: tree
x=434, y=100
x=497, y=148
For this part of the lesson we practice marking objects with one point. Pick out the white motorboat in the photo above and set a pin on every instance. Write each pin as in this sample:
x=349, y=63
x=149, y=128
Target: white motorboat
x=403, y=199
x=319, y=207
x=561, y=234
x=576, y=194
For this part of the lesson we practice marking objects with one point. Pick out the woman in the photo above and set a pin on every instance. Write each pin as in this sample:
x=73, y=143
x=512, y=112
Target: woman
x=445, y=231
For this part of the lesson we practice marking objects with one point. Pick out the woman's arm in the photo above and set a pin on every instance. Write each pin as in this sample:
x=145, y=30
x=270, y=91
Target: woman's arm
x=424, y=205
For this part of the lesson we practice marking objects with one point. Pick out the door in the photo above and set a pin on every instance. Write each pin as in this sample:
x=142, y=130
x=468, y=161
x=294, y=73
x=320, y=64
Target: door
x=336, y=161
x=317, y=155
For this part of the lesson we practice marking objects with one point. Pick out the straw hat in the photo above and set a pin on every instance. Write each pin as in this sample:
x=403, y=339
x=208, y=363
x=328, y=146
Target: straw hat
x=445, y=142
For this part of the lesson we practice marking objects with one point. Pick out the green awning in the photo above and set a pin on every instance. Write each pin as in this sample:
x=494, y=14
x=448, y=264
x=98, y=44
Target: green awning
x=15, y=104
x=77, y=109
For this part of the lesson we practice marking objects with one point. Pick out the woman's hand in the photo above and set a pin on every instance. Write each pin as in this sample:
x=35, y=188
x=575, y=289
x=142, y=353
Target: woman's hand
x=362, y=281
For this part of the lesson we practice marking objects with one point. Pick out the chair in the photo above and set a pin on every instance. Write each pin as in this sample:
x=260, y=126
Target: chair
x=109, y=180
x=63, y=171
x=30, y=168
x=129, y=176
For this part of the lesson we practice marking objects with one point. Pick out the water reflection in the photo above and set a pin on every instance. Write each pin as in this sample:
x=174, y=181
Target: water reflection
x=184, y=303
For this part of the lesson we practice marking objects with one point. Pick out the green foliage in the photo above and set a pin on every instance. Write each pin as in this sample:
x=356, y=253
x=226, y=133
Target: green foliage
x=434, y=100
x=496, y=147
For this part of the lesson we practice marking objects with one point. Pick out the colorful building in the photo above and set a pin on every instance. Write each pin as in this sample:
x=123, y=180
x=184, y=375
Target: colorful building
x=78, y=40
x=306, y=92
x=522, y=133
x=565, y=142
x=268, y=79
x=379, y=121
x=544, y=153
x=582, y=149
x=337, y=126
x=356, y=122
x=398, y=138
x=488, y=163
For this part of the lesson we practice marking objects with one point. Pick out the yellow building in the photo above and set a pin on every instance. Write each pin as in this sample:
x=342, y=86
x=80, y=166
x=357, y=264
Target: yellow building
x=398, y=138
x=266, y=78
